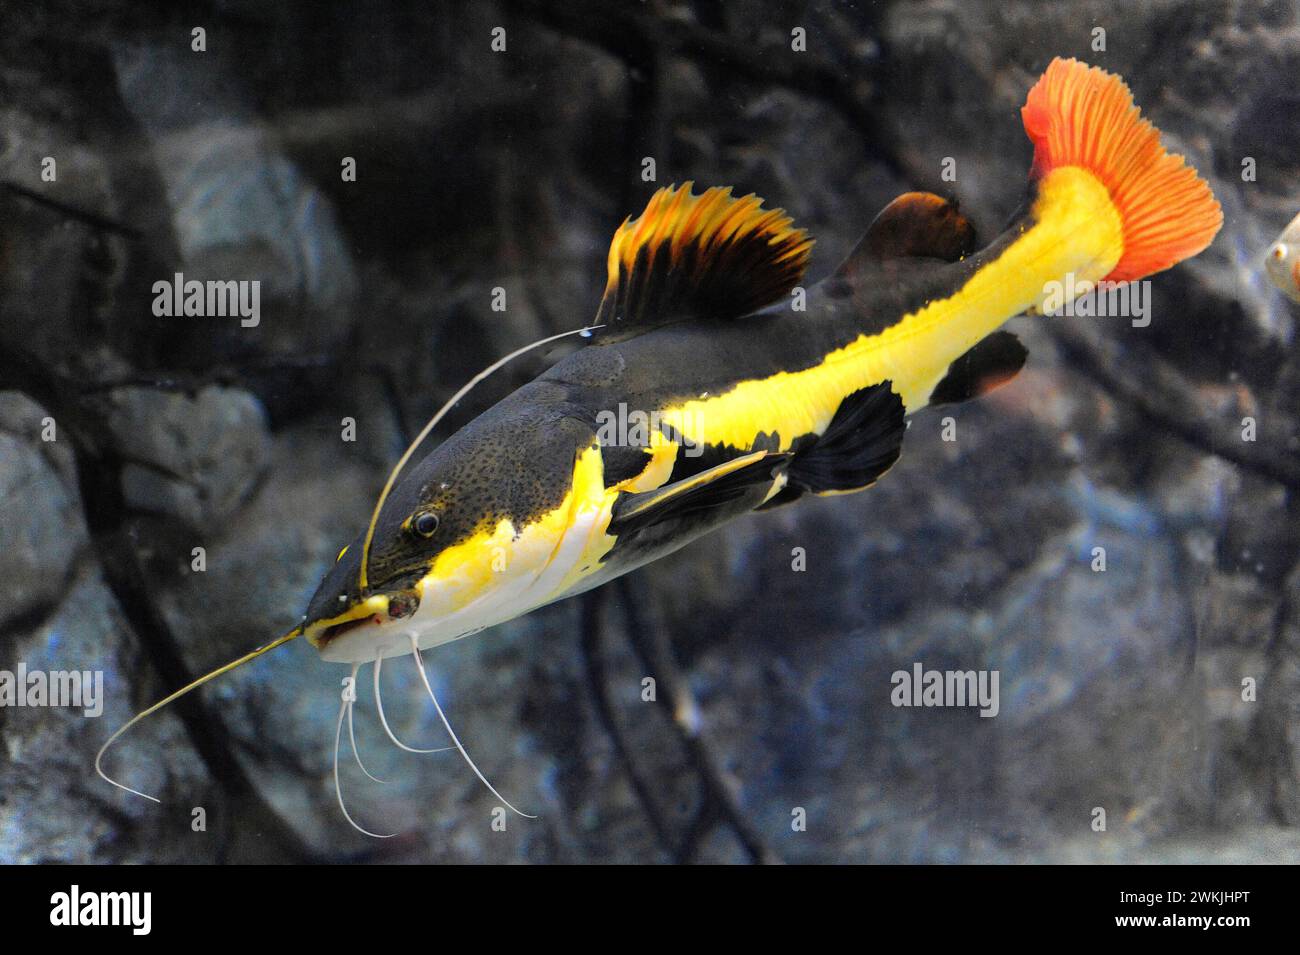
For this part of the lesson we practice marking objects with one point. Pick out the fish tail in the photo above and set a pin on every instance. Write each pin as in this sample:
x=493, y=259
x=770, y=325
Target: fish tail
x=1107, y=203
x=1087, y=132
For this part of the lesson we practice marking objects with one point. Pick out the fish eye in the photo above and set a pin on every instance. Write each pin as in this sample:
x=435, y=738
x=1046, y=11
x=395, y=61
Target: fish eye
x=1279, y=251
x=425, y=524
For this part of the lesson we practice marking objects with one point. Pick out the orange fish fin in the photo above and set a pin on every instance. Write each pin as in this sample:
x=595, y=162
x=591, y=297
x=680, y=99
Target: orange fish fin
x=710, y=256
x=1079, y=115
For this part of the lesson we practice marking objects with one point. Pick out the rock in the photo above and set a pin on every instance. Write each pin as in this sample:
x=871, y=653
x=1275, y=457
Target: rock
x=195, y=458
x=53, y=808
x=42, y=536
x=240, y=210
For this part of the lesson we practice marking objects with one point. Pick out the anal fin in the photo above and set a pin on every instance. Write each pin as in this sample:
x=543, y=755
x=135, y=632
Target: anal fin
x=992, y=362
x=862, y=442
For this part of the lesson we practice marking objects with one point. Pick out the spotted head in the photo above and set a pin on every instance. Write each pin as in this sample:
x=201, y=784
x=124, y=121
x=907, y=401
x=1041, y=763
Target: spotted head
x=486, y=527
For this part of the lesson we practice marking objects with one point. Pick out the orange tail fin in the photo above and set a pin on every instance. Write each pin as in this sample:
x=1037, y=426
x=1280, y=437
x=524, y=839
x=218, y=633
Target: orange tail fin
x=1082, y=116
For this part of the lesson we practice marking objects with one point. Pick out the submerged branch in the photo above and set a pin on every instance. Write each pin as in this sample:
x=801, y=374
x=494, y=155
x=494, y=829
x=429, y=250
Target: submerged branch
x=656, y=656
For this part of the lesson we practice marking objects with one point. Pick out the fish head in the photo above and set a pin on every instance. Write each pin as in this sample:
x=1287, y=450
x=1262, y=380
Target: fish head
x=1277, y=261
x=471, y=536
x=1282, y=262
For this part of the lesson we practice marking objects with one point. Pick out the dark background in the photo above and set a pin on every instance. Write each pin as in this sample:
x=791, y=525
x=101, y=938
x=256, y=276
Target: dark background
x=478, y=170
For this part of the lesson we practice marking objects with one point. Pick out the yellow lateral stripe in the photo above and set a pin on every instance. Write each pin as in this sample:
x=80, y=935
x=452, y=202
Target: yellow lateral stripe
x=591, y=495
x=663, y=456
x=1077, y=230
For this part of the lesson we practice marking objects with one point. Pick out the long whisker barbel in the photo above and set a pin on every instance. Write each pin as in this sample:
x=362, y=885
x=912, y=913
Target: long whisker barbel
x=419, y=662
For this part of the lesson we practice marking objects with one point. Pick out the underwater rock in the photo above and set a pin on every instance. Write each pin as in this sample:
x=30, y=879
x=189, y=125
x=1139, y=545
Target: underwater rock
x=42, y=535
x=48, y=754
x=48, y=232
x=195, y=458
x=241, y=211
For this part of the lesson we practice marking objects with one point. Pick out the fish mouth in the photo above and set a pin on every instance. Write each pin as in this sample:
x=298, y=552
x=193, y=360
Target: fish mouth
x=374, y=611
x=370, y=612
x=331, y=633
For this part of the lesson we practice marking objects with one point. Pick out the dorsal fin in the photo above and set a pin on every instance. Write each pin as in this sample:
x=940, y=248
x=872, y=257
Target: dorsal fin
x=915, y=225
x=710, y=256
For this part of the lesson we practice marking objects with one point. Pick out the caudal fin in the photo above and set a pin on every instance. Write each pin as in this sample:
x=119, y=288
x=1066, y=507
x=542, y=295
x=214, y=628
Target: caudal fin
x=1109, y=204
x=1081, y=116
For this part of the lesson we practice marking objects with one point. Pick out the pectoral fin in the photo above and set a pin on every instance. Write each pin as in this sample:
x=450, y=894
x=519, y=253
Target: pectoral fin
x=720, y=485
